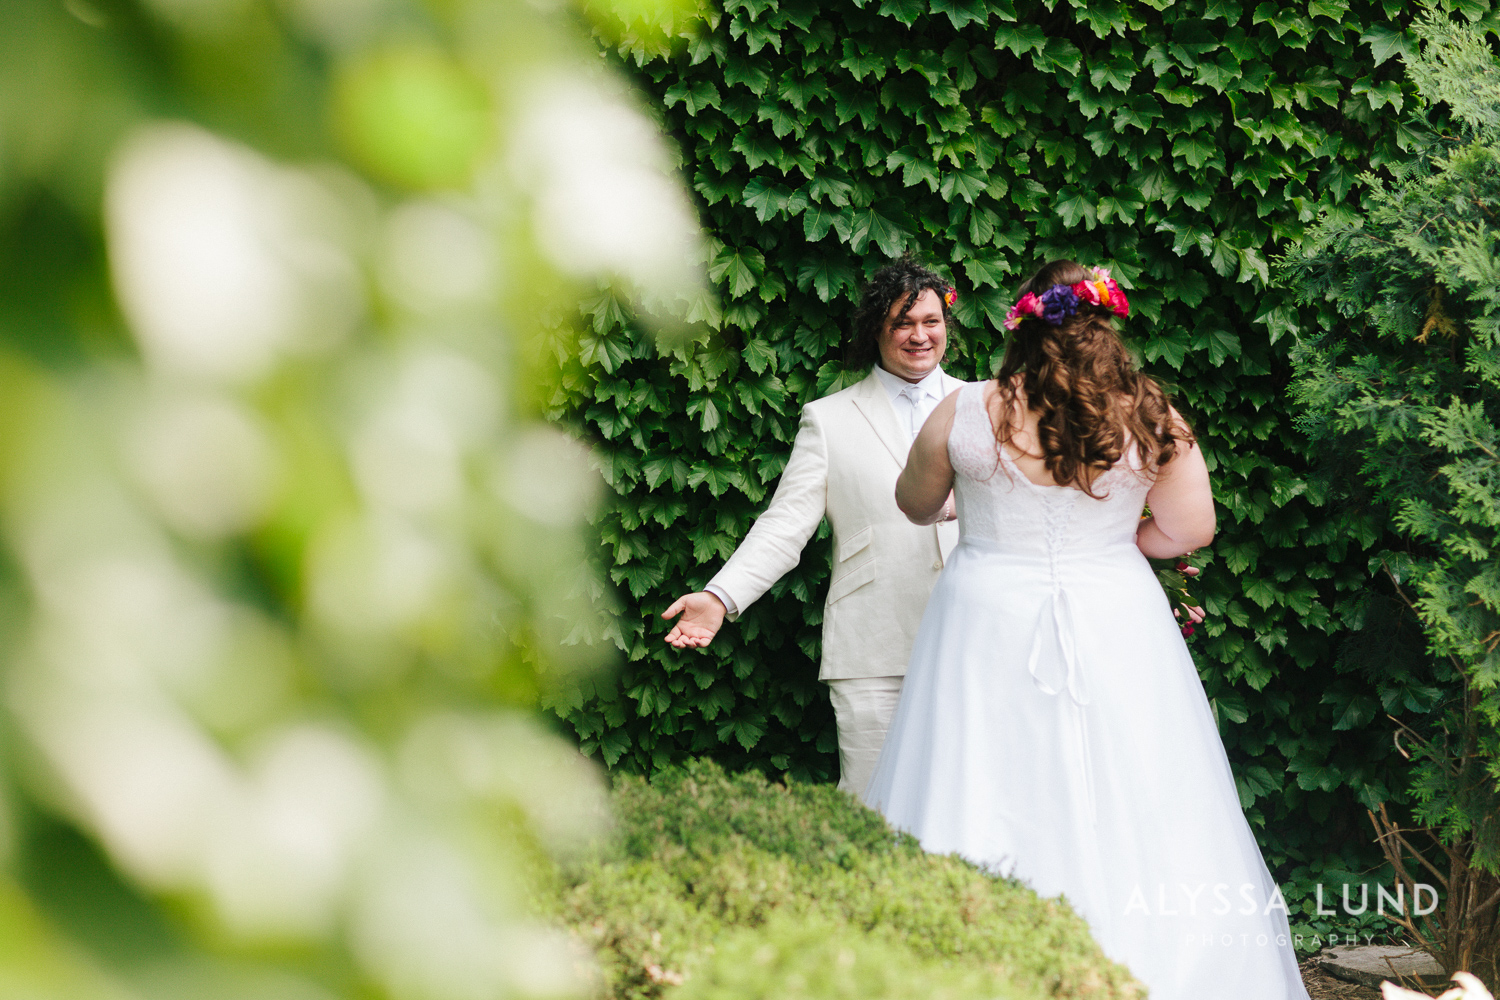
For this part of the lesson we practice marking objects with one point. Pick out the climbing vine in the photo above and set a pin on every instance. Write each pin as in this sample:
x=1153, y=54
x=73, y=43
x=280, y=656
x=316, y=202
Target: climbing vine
x=1181, y=143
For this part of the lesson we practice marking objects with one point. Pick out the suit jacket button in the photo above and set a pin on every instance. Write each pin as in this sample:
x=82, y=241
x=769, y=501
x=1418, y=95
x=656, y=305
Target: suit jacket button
x=937, y=564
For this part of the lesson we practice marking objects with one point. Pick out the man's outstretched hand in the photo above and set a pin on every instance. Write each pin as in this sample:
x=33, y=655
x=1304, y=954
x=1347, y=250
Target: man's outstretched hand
x=702, y=614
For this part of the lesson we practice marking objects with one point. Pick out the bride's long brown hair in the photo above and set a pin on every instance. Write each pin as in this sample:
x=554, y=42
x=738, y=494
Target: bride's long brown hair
x=1089, y=399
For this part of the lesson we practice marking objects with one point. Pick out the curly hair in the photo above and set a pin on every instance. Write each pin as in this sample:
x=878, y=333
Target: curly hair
x=902, y=278
x=1078, y=378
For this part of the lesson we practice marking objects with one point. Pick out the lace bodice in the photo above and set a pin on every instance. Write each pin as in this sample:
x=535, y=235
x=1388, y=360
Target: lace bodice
x=998, y=503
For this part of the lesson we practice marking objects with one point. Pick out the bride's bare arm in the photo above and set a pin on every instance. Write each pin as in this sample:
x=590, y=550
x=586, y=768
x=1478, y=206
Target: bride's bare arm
x=927, y=479
x=1182, y=506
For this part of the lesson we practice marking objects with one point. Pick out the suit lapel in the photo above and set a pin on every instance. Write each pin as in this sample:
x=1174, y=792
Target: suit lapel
x=875, y=405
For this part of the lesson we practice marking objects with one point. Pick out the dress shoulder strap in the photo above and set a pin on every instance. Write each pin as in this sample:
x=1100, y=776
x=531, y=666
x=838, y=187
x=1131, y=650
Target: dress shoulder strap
x=971, y=442
x=970, y=411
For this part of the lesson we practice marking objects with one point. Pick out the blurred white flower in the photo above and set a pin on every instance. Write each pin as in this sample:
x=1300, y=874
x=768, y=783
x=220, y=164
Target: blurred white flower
x=206, y=463
x=435, y=257
x=278, y=863
x=375, y=576
x=142, y=775
x=125, y=624
x=452, y=759
x=408, y=452
x=607, y=199
x=342, y=24
x=221, y=260
x=424, y=931
x=549, y=477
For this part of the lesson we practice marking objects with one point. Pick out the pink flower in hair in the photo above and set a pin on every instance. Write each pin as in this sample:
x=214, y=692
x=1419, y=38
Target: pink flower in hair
x=1029, y=305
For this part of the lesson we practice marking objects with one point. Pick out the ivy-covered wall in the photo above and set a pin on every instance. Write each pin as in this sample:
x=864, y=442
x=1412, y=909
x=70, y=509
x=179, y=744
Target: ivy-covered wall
x=1182, y=143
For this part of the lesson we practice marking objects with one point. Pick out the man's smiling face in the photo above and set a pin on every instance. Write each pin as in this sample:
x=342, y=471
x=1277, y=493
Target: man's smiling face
x=912, y=342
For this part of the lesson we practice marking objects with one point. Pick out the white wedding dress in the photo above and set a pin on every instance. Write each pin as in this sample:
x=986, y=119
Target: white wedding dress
x=1052, y=726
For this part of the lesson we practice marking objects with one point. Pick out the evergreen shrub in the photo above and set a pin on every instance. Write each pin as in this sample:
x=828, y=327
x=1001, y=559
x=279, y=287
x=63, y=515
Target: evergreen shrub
x=733, y=886
x=1402, y=399
x=1181, y=143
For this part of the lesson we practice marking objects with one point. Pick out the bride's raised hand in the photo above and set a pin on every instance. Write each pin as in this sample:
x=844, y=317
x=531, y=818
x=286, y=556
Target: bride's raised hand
x=702, y=615
x=1196, y=614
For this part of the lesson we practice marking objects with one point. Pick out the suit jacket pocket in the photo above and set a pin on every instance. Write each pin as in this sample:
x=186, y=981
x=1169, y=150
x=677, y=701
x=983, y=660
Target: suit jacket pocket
x=859, y=540
x=851, y=581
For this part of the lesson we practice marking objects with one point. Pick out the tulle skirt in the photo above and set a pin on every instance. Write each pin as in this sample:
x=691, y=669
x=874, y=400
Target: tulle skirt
x=1052, y=726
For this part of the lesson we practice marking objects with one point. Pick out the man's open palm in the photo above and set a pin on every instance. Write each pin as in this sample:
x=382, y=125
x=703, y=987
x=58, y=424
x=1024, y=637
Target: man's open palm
x=702, y=614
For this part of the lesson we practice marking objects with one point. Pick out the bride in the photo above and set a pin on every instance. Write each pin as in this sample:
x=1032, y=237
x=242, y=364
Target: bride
x=1052, y=724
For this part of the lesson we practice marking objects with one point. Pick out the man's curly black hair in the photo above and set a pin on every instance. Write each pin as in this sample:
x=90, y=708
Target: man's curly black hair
x=902, y=279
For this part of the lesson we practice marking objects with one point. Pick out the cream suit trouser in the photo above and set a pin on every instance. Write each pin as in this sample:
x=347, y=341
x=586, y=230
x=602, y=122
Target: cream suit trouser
x=862, y=710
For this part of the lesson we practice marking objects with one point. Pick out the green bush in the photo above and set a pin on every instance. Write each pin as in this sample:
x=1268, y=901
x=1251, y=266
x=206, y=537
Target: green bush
x=1182, y=143
x=738, y=887
x=1401, y=397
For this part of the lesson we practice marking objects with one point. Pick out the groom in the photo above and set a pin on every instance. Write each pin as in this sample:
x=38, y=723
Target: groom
x=849, y=450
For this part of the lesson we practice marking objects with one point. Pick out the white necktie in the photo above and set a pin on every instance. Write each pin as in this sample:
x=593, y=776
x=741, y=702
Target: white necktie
x=914, y=419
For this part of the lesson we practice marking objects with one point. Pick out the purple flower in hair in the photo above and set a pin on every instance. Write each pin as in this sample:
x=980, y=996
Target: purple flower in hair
x=1058, y=303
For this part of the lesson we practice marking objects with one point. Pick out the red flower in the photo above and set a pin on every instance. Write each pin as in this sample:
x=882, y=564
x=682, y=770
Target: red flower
x=1187, y=630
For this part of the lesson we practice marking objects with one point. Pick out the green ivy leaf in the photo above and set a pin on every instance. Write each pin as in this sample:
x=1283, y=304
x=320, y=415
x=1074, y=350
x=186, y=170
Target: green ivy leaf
x=749, y=73
x=1196, y=150
x=862, y=62
x=741, y=269
x=827, y=276
x=1116, y=71
x=871, y=226
x=1282, y=19
x=1319, y=84
x=1021, y=38
x=1223, y=10
x=1142, y=110
x=905, y=11
x=695, y=95
x=816, y=222
x=1253, y=268
x=967, y=183
x=1379, y=94
x=962, y=12
x=987, y=271
x=1170, y=346
x=1058, y=54
x=1221, y=345
x=1074, y=206
x=768, y=199
x=757, y=149
x=915, y=167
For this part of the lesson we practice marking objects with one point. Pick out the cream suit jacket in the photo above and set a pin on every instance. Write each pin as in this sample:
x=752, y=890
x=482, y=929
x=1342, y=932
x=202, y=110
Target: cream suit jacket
x=844, y=463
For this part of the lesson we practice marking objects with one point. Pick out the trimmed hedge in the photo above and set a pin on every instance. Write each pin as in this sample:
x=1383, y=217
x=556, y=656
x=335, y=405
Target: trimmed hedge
x=1183, y=143
x=732, y=886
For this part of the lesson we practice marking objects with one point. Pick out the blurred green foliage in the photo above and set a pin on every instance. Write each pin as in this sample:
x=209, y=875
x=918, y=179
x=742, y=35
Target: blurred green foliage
x=287, y=553
x=1180, y=143
x=736, y=887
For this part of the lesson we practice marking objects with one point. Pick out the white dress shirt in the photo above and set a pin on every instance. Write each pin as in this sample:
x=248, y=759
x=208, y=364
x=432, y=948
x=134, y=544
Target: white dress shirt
x=913, y=403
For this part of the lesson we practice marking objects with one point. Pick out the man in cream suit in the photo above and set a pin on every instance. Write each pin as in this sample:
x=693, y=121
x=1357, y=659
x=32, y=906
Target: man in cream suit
x=849, y=450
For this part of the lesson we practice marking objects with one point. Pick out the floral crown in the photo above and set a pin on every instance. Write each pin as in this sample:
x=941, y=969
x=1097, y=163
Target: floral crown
x=1061, y=301
x=950, y=296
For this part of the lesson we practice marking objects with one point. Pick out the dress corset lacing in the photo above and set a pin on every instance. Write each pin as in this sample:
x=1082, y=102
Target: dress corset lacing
x=1001, y=509
x=1053, y=663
